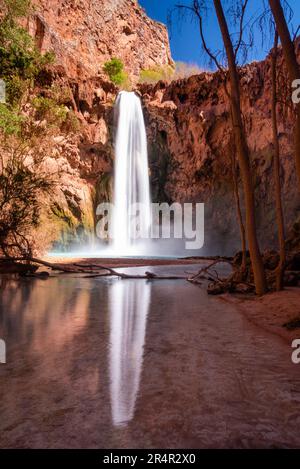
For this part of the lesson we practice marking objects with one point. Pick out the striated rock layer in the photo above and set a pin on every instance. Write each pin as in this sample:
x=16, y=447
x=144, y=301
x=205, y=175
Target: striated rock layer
x=191, y=148
x=84, y=34
x=188, y=125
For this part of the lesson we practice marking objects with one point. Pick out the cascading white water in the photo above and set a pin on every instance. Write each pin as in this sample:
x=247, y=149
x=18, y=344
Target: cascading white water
x=131, y=175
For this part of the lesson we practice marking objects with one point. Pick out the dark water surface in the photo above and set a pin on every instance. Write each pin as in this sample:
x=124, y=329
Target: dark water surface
x=113, y=363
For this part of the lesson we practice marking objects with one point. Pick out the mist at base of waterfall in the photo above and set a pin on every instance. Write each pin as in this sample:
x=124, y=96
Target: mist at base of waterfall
x=131, y=187
x=154, y=249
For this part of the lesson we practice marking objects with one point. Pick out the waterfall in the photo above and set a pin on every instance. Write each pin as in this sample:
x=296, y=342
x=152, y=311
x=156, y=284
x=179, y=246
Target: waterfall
x=131, y=175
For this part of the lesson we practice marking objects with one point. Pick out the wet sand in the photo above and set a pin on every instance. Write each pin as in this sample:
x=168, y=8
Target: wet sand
x=271, y=311
x=191, y=371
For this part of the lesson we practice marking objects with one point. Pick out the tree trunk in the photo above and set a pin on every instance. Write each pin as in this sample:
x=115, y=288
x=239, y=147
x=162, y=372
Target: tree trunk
x=238, y=207
x=243, y=155
x=292, y=66
x=276, y=164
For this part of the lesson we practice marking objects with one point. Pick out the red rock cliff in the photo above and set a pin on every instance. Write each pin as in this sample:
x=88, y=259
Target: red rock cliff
x=84, y=34
x=190, y=141
x=188, y=124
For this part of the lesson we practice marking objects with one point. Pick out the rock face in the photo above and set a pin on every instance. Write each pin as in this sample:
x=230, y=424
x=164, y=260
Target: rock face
x=191, y=148
x=84, y=34
x=188, y=123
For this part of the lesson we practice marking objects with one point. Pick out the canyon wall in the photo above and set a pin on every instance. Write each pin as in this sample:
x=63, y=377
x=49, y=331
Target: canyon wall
x=84, y=34
x=191, y=148
x=188, y=125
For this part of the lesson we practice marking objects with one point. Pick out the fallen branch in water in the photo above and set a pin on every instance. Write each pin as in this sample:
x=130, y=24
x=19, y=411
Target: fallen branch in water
x=27, y=262
x=147, y=275
x=235, y=282
x=239, y=281
x=85, y=269
x=204, y=272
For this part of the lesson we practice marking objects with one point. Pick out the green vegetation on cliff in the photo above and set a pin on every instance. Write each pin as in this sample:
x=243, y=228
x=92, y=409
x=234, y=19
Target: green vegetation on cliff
x=156, y=74
x=20, y=60
x=114, y=69
x=29, y=119
x=168, y=73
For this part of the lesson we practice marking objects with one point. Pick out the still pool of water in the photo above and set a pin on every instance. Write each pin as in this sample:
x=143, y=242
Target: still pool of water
x=110, y=363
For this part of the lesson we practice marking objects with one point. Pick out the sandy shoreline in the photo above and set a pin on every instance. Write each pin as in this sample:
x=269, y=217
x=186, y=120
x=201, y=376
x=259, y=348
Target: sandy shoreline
x=271, y=311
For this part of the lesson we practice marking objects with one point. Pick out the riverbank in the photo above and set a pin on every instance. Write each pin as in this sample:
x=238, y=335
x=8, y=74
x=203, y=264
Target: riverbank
x=276, y=312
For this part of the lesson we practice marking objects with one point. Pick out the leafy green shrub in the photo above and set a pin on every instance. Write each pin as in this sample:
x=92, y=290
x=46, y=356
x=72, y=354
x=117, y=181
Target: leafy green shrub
x=20, y=61
x=16, y=8
x=21, y=190
x=47, y=59
x=17, y=51
x=25, y=144
x=60, y=94
x=71, y=123
x=10, y=121
x=15, y=89
x=114, y=69
x=47, y=108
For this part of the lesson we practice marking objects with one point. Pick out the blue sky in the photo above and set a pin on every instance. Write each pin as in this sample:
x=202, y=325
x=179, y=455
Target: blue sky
x=184, y=37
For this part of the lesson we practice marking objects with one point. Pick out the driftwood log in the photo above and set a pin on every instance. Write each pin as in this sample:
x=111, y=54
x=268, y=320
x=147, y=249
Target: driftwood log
x=26, y=266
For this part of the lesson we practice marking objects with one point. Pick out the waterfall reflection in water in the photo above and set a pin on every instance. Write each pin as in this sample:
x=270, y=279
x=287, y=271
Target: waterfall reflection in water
x=129, y=305
x=75, y=373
